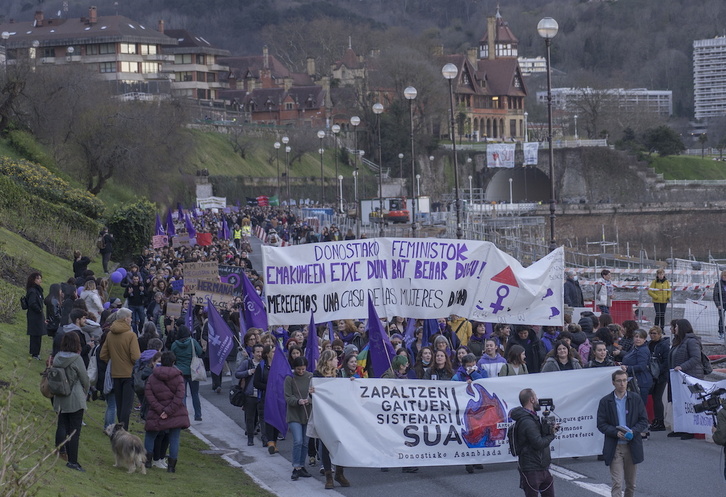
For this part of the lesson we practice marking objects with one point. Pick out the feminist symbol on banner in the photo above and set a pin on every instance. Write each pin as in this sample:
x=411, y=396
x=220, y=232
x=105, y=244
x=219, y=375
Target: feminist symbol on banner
x=502, y=293
x=505, y=276
x=215, y=339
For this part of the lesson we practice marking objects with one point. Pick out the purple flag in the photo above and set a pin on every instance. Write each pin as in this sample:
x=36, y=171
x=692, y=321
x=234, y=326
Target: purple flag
x=253, y=310
x=159, y=229
x=408, y=336
x=180, y=210
x=220, y=339
x=170, y=230
x=225, y=229
x=275, y=406
x=381, y=351
x=431, y=327
x=331, y=333
x=312, y=351
x=189, y=318
x=190, y=227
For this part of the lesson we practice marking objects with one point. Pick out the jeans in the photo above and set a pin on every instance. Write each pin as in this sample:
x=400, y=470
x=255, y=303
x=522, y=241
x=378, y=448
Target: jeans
x=174, y=435
x=124, y=392
x=325, y=456
x=720, y=321
x=622, y=467
x=535, y=483
x=67, y=423
x=660, y=311
x=105, y=258
x=250, y=416
x=657, y=392
x=194, y=389
x=604, y=309
x=110, y=409
x=35, y=344
x=299, y=443
x=138, y=317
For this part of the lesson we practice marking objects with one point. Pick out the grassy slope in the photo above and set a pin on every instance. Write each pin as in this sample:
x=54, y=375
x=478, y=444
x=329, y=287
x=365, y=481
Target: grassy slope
x=198, y=472
x=689, y=167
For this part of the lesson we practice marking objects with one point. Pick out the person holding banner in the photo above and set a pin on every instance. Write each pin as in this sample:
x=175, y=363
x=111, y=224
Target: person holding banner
x=516, y=362
x=297, y=398
x=621, y=417
x=441, y=368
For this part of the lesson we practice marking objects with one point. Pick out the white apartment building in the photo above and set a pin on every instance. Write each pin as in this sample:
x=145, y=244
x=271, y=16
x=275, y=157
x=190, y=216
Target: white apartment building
x=641, y=99
x=709, y=77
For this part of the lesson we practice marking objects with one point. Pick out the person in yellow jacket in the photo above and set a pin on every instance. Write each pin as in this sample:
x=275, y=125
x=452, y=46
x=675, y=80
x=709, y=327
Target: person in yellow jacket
x=462, y=327
x=237, y=236
x=660, y=292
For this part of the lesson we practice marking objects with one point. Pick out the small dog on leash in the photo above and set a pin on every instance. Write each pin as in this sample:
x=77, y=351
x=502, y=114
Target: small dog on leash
x=128, y=449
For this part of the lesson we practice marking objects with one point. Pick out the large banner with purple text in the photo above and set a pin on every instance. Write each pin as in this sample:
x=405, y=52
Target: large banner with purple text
x=375, y=423
x=413, y=278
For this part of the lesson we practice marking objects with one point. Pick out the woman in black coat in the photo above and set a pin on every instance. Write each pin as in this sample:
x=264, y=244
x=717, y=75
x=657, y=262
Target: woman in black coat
x=53, y=309
x=36, y=317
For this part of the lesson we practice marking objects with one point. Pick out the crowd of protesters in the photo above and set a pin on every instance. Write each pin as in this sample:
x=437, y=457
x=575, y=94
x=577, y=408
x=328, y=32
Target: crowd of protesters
x=124, y=344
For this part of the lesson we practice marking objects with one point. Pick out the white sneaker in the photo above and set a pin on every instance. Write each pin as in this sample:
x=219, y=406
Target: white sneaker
x=161, y=464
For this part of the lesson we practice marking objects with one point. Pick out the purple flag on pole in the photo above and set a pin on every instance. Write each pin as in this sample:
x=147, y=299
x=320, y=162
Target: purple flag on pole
x=312, y=351
x=180, y=210
x=170, y=230
x=189, y=318
x=275, y=406
x=408, y=336
x=220, y=339
x=190, y=227
x=381, y=351
x=225, y=229
x=331, y=332
x=253, y=310
x=159, y=229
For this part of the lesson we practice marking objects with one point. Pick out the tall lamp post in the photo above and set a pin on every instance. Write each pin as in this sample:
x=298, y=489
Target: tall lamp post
x=355, y=121
x=321, y=135
x=277, y=161
x=285, y=141
x=418, y=185
x=5, y=36
x=378, y=110
x=340, y=196
x=449, y=71
x=526, y=131
x=336, y=129
x=547, y=29
x=575, y=127
x=410, y=93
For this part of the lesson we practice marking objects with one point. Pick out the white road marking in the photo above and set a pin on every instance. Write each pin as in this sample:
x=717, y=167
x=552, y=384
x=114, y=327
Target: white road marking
x=569, y=475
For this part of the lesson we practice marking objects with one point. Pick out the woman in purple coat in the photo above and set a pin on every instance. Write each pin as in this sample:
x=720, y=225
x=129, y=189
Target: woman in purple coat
x=165, y=396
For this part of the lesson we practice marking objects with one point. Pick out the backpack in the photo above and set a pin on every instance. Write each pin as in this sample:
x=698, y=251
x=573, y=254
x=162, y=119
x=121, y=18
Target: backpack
x=57, y=382
x=654, y=367
x=24, y=302
x=139, y=383
x=101, y=243
x=512, y=439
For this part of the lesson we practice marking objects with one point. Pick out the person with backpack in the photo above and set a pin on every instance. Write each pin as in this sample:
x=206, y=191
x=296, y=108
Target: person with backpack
x=531, y=439
x=245, y=373
x=70, y=408
x=105, y=247
x=34, y=303
x=659, y=347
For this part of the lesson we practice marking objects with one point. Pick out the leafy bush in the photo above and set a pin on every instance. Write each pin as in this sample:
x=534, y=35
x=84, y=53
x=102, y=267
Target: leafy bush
x=132, y=226
x=41, y=182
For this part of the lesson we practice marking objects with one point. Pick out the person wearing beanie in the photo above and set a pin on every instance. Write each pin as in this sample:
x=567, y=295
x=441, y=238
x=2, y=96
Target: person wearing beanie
x=182, y=348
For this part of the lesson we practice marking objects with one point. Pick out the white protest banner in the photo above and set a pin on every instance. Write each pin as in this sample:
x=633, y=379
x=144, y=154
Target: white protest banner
x=500, y=154
x=216, y=291
x=531, y=149
x=391, y=423
x=685, y=418
x=419, y=278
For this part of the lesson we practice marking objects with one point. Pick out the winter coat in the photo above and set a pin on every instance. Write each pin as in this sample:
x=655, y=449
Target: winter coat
x=262, y=374
x=605, y=364
x=687, y=355
x=533, y=348
x=585, y=323
x=183, y=351
x=532, y=446
x=122, y=348
x=298, y=387
x=552, y=364
x=462, y=375
x=35, y=316
x=573, y=294
x=635, y=418
x=53, y=314
x=164, y=393
x=93, y=302
x=441, y=374
x=491, y=366
x=77, y=377
x=462, y=327
x=243, y=373
x=719, y=293
x=637, y=362
x=604, y=290
x=660, y=350
x=548, y=341
x=660, y=291
x=80, y=265
x=719, y=436
x=508, y=370
x=476, y=345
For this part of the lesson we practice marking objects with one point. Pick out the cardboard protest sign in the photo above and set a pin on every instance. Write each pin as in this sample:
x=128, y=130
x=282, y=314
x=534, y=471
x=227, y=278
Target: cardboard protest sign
x=219, y=293
x=195, y=271
x=174, y=309
x=160, y=241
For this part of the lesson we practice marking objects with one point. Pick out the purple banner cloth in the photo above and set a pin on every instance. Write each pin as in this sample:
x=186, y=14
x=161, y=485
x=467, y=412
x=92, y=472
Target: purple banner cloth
x=253, y=310
x=312, y=351
x=189, y=318
x=275, y=406
x=381, y=351
x=159, y=229
x=190, y=227
x=170, y=230
x=220, y=340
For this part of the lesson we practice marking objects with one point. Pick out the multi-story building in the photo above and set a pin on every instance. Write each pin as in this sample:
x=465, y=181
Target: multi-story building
x=709, y=77
x=633, y=100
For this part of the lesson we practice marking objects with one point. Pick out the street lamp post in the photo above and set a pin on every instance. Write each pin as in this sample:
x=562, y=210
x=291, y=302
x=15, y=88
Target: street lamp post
x=5, y=36
x=378, y=110
x=277, y=161
x=418, y=185
x=321, y=135
x=355, y=121
x=410, y=93
x=285, y=141
x=336, y=129
x=449, y=71
x=526, y=131
x=471, y=192
x=340, y=196
x=511, y=199
x=576, y=127
x=547, y=29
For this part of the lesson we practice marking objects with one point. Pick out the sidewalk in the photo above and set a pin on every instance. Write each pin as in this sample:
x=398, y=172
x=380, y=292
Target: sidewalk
x=224, y=436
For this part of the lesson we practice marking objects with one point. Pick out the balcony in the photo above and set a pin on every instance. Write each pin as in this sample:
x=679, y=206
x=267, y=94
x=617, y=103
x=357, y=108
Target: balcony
x=158, y=58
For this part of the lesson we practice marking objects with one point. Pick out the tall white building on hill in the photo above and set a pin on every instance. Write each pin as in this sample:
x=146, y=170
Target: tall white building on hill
x=709, y=77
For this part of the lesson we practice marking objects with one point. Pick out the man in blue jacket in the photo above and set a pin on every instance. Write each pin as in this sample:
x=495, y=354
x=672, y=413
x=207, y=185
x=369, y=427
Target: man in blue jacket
x=621, y=417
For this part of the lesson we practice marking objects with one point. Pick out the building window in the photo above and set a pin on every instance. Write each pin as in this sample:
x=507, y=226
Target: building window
x=129, y=48
x=150, y=67
x=200, y=76
x=92, y=50
x=184, y=76
x=289, y=106
x=211, y=77
x=108, y=67
x=47, y=52
x=200, y=59
x=130, y=67
x=148, y=49
x=106, y=48
x=183, y=58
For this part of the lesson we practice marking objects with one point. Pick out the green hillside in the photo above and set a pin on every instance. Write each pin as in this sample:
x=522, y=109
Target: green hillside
x=689, y=168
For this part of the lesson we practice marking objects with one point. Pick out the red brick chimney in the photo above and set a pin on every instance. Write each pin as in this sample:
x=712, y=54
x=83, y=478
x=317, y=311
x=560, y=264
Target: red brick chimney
x=92, y=15
x=39, y=18
x=161, y=26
